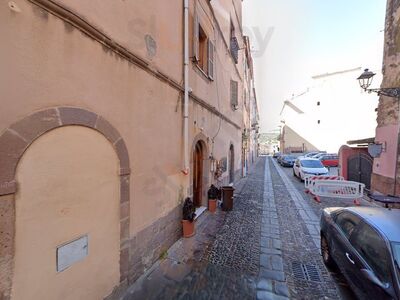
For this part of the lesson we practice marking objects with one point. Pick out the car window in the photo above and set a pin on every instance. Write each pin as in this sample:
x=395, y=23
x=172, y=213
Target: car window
x=311, y=163
x=372, y=247
x=347, y=222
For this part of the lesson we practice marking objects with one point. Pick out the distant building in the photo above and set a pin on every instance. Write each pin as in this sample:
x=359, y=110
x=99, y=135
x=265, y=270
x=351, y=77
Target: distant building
x=269, y=143
x=331, y=111
x=250, y=113
x=291, y=142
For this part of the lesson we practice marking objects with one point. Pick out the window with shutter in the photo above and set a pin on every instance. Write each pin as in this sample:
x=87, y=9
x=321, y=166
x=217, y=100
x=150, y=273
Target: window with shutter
x=211, y=51
x=202, y=61
x=203, y=50
x=234, y=95
x=235, y=49
x=234, y=45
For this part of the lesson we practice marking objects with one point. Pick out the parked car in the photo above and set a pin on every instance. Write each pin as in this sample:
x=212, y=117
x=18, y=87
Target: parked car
x=287, y=160
x=308, y=166
x=318, y=155
x=312, y=154
x=329, y=160
x=276, y=154
x=364, y=244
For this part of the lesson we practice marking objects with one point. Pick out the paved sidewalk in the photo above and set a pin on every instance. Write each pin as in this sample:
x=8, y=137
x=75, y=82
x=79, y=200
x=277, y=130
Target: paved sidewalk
x=234, y=255
x=272, y=279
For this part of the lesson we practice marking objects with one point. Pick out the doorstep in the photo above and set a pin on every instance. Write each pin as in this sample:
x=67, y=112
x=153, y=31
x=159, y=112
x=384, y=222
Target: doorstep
x=199, y=211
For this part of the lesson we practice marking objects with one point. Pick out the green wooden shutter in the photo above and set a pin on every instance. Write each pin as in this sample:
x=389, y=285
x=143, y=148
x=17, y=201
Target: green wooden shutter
x=211, y=55
x=196, y=38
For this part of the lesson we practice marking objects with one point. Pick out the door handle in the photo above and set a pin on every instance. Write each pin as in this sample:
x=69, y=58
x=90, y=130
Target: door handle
x=348, y=257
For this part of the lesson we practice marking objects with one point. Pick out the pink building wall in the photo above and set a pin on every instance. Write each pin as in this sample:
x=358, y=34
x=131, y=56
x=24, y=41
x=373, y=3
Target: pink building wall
x=385, y=164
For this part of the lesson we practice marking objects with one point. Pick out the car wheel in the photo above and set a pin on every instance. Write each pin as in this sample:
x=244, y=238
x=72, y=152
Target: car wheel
x=326, y=254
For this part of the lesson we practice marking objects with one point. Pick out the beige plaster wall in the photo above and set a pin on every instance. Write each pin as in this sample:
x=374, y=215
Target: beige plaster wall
x=65, y=67
x=293, y=139
x=217, y=91
x=68, y=187
x=47, y=62
x=136, y=22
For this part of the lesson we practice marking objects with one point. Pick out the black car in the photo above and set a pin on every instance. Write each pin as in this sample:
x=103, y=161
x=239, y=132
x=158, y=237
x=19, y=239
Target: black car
x=287, y=160
x=364, y=243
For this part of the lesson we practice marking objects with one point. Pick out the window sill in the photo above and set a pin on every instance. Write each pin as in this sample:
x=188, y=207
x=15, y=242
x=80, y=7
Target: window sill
x=203, y=73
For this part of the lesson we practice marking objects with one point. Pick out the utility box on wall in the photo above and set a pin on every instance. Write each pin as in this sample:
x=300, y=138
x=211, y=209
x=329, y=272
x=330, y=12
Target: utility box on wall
x=72, y=252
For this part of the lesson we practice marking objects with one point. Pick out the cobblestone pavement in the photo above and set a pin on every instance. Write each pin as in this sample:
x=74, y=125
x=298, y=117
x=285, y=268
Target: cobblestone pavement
x=299, y=222
x=267, y=247
x=222, y=260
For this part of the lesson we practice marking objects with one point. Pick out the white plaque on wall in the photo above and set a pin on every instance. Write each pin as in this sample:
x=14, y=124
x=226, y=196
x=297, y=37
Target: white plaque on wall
x=71, y=252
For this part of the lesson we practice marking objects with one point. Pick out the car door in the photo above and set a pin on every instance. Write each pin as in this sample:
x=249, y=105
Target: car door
x=296, y=167
x=329, y=161
x=324, y=159
x=370, y=250
x=341, y=249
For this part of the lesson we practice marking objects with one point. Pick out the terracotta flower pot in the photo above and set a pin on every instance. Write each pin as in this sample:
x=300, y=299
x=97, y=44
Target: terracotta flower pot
x=188, y=228
x=212, y=205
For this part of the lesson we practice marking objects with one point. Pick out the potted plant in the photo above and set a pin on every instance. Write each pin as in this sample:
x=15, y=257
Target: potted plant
x=188, y=217
x=213, y=194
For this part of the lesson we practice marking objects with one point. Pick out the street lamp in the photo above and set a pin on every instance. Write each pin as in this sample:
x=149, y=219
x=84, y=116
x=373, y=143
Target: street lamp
x=365, y=80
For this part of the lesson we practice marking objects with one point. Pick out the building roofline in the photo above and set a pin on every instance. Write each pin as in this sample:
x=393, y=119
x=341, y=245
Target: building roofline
x=335, y=73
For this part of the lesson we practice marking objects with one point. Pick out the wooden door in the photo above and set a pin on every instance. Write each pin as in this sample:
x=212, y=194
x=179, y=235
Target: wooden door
x=197, y=175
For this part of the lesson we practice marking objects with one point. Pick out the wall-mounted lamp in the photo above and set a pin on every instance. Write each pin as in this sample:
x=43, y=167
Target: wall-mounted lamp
x=365, y=80
x=213, y=164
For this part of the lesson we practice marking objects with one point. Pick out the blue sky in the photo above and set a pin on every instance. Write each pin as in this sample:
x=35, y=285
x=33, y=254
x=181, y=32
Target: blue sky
x=309, y=37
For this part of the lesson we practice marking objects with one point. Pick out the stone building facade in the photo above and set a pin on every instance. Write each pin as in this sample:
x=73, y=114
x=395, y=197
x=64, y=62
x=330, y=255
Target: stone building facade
x=250, y=112
x=386, y=167
x=91, y=136
x=291, y=142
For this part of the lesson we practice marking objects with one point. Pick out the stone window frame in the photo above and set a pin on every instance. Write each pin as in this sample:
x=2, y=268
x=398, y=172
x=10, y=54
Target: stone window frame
x=16, y=139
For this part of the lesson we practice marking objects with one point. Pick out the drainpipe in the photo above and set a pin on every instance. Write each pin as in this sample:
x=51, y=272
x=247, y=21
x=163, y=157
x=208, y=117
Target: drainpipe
x=185, y=169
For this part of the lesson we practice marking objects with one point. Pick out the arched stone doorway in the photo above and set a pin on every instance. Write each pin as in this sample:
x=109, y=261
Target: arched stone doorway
x=200, y=171
x=14, y=141
x=198, y=174
x=231, y=164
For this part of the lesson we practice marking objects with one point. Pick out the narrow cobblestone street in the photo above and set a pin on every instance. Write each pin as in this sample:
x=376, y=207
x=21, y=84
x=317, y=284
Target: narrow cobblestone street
x=145, y=149
x=266, y=248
